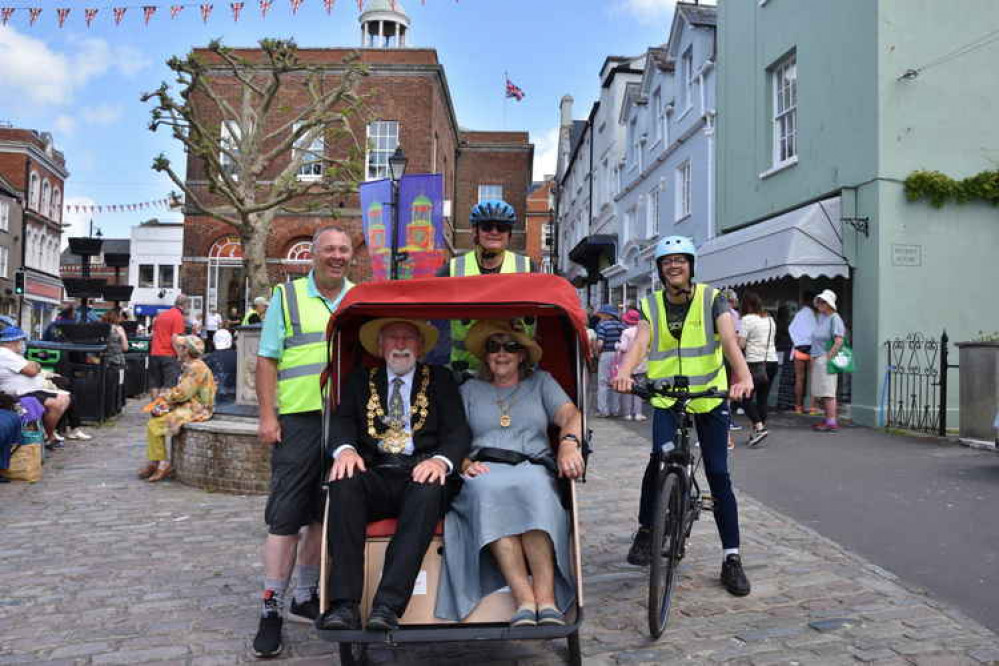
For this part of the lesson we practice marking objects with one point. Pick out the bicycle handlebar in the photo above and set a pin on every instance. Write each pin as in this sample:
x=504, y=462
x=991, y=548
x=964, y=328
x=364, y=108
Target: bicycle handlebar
x=646, y=389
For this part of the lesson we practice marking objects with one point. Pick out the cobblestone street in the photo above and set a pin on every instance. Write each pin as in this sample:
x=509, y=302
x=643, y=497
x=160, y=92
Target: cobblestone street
x=98, y=567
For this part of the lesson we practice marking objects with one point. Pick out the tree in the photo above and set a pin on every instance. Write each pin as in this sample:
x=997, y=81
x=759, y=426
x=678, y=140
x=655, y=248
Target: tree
x=261, y=155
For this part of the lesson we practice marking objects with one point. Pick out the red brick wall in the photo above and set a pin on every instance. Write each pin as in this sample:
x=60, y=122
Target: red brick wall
x=537, y=216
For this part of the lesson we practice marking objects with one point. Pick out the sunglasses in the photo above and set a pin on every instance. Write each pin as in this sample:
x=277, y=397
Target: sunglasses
x=490, y=227
x=511, y=346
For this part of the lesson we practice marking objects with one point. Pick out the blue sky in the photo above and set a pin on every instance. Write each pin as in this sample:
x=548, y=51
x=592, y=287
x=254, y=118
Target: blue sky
x=83, y=85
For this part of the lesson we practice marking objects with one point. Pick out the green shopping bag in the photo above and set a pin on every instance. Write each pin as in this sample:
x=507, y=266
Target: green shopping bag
x=842, y=361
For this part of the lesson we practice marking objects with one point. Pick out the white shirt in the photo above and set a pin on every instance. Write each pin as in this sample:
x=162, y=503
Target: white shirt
x=802, y=326
x=213, y=321
x=12, y=382
x=759, y=333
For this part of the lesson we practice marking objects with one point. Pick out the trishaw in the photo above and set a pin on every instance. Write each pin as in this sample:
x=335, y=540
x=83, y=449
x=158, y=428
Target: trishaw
x=561, y=330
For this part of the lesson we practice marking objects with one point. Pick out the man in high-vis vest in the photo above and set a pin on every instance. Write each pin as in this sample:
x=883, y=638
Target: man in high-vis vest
x=687, y=330
x=492, y=222
x=291, y=357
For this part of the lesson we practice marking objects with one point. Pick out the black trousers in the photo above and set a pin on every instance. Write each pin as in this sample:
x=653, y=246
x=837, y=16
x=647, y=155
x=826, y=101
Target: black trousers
x=763, y=378
x=373, y=495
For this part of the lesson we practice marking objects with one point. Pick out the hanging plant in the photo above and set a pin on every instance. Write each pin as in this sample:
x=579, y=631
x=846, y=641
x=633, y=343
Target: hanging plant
x=939, y=188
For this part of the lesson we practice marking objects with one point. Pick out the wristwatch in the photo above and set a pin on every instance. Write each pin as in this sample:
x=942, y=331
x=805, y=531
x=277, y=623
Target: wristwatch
x=571, y=438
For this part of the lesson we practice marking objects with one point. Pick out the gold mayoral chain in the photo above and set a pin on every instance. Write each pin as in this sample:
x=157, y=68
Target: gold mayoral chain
x=394, y=439
x=505, y=404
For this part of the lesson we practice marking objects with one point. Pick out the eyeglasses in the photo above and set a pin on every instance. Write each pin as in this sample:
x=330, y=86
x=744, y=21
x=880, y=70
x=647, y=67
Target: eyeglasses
x=491, y=226
x=511, y=346
x=676, y=260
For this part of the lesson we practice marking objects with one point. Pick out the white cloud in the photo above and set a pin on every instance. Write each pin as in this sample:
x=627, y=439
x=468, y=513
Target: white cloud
x=648, y=8
x=102, y=114
x=64, y=124
x=37, y=75
x=545, y=153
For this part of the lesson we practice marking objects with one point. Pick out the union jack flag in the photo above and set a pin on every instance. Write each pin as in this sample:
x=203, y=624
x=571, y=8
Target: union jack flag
x=513, y=91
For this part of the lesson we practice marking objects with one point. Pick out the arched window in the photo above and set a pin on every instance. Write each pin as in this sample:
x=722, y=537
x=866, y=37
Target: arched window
x=227, y=247
x=56, y=205
x=46, y=198
x=300, y=252
x=33, y=191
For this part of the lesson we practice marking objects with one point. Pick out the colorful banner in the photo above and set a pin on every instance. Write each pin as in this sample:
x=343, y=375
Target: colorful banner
x=421, y=225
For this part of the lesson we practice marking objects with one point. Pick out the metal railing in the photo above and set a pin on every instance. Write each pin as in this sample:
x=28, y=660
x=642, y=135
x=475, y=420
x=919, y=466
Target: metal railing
x=915, y=390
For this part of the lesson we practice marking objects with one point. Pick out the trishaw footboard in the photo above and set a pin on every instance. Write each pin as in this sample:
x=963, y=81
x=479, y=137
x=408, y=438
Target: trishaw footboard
x=457, y=632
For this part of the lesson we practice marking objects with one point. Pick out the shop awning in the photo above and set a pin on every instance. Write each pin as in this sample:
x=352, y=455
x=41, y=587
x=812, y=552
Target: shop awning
x=805, y=241
x=150, y=310
x=594, y=253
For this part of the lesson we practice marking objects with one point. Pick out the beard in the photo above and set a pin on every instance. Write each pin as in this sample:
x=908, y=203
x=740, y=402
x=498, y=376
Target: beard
x=400, y=361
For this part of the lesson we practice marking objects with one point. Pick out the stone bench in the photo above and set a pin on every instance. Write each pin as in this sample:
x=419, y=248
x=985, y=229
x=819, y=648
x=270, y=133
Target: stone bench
x=222, y=455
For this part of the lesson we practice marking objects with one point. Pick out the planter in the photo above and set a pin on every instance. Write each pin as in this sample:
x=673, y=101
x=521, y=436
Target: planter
x=979, y=363
x=84, y=287
x=83, y=246
x=117, y=292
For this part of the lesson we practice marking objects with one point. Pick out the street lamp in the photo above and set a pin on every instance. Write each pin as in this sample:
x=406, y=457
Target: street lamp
x=397, y=168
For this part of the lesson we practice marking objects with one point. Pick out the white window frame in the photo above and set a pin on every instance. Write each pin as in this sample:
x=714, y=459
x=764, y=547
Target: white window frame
x=687, y=79
x=634, y=147
x=4, y=216
x=166, y=284
x=34, y=190
x=311, y=168
x=4, y=259
x=682, y=198
x=46, y=198
x=229, y=135
x=784, y=91
x=56, y=206
x=652, y=213
x=628, y=225
x=657, y=123
x=490, y=191
x=149, y=284
x=382, y=140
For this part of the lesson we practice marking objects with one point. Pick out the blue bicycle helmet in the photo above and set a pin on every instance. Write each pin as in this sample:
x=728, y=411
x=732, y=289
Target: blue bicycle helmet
x=493, y=210
x=676, y=245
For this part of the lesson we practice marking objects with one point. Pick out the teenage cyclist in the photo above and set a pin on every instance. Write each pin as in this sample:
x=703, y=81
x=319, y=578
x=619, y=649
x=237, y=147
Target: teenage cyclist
x=685, y=330
x=492, y=222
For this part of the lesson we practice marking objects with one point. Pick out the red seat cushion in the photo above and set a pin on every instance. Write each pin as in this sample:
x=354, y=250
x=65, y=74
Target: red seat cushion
x=387, y=527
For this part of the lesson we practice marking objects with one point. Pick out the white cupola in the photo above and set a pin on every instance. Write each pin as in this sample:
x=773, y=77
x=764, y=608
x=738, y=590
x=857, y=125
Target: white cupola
x=384, y=25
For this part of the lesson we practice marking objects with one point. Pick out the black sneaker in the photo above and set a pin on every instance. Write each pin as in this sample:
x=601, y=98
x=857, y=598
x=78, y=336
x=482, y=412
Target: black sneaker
x=757, y=437
x=733, y=577
x=307, y=611
x=640, y=553
x=267, y=643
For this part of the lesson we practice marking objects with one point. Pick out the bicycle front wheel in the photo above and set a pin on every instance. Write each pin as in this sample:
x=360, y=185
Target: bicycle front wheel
x=667, y=534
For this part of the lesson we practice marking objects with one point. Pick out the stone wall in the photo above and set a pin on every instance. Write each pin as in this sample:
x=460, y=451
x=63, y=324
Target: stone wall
x=222, y=455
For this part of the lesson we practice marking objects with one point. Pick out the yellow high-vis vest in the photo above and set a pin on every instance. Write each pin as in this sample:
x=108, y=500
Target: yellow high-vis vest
x=304, y=356
x=466, y=265
x=696, y=355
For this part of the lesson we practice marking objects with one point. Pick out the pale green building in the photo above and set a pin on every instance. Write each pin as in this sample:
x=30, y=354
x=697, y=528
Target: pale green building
x=824, y=109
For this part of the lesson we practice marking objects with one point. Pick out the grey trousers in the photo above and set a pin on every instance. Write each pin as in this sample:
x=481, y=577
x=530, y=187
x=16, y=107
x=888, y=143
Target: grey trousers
x=608, y=400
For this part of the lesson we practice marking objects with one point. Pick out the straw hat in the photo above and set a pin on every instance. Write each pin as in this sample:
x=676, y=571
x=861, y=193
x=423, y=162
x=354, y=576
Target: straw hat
x=370, y=330
x=829, y=296
x=475, y=341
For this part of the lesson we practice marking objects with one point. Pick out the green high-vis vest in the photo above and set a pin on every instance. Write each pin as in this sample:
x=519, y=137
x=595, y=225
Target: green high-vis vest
x=304, y=357
x=466, y=265
x=698, y=353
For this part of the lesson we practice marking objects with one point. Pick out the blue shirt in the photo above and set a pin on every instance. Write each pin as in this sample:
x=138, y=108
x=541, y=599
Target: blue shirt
x=609, y=333
x=273, y=334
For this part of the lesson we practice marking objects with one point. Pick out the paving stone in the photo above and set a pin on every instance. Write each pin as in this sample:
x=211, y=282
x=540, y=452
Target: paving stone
x=832, y=624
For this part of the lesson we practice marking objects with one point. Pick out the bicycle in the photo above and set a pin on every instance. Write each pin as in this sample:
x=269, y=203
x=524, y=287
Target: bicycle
x=678, y=496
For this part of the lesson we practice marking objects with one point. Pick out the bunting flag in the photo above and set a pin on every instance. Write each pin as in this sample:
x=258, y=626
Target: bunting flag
x=147, y=13
x=328, y=6
x=119, y=14
x=5, y=14
x=164, y=203
x=89, y=15
x=295, y=4
x=62, y=13
x=360, y=5
x=34, y=12
x=175, y=10
x=265, y=6
x=236, y=7
x=393, y=5
x=206, y=11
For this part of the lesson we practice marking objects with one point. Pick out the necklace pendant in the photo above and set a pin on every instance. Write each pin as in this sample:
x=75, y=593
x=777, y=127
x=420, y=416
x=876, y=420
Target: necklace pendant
x=505, y=421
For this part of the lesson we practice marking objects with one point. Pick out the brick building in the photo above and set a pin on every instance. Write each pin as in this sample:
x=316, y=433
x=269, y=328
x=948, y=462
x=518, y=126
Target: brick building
x=11, y=211
x=409, y=105
x=540, y=216
x=37, y=172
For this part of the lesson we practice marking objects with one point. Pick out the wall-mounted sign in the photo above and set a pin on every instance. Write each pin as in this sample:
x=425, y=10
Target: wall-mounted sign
x=906, y=255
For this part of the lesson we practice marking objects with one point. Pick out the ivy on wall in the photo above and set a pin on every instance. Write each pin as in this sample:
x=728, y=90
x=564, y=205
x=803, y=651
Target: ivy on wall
x=939, y=188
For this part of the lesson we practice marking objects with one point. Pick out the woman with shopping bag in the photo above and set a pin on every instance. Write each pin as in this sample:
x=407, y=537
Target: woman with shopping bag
x=827, y=341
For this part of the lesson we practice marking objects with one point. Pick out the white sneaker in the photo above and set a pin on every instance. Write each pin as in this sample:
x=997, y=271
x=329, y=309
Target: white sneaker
x=629, y=417
x=76, y=433
x=57, y=437
x=641, y=417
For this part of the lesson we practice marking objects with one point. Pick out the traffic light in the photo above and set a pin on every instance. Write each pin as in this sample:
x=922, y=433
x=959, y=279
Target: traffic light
x=19, y=282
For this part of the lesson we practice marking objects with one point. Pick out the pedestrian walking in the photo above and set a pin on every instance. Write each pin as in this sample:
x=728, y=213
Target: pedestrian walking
x=827, y=338
x=608, y=335
x=631, y=405
x=290, y=359
x=759, y=330
x=801, y=329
